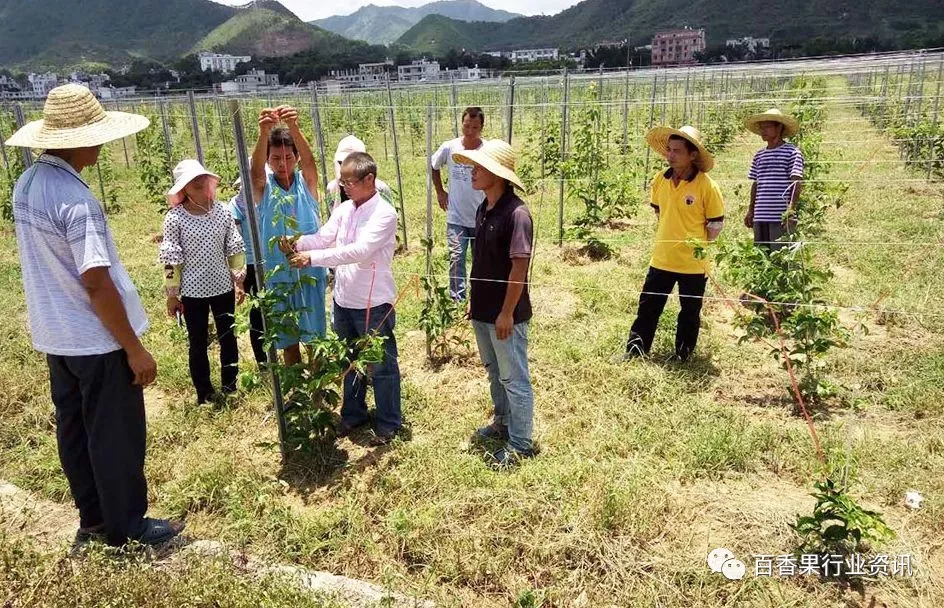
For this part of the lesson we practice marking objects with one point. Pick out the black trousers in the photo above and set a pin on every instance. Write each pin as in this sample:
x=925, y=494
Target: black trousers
x=101, y=432
x=196, y=314
x=256, y=328
x=658, y=286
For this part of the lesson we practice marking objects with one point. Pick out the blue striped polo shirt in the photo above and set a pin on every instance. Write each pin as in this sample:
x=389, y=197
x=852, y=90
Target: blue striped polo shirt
x=773, y=170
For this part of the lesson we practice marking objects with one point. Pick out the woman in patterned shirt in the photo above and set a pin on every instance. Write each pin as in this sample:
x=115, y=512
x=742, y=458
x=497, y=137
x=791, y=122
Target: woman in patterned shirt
x=205, y=265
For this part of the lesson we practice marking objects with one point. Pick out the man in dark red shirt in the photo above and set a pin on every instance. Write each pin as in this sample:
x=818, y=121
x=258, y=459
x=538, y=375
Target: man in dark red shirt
x=499, y=305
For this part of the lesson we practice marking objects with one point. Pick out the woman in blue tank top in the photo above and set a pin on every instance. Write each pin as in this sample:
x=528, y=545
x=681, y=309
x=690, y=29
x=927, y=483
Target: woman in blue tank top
x=287, y=206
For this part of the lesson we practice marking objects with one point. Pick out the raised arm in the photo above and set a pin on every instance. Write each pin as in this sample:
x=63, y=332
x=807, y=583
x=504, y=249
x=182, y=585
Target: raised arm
x=267, y=121
x=306, y=157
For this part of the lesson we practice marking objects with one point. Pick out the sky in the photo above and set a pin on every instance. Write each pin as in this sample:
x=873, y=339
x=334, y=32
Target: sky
x=309, y=10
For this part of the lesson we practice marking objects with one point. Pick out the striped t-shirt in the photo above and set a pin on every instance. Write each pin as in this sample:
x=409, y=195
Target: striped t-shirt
x=61, y=233
x=773, y=169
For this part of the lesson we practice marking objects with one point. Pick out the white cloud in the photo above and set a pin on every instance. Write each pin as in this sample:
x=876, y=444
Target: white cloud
x=310, y=10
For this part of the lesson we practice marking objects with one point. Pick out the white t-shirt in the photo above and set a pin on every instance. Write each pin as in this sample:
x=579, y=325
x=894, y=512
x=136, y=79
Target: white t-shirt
x=463, y=200
x=61, y=232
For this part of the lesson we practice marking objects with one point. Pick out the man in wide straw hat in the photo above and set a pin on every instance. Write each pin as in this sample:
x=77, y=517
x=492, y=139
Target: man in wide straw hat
x=689, y=207
x=499, y=304
x=777, y=171
x=86, y=316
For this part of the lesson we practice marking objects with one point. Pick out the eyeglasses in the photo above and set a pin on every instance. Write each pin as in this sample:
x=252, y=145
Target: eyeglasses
x=347, y=183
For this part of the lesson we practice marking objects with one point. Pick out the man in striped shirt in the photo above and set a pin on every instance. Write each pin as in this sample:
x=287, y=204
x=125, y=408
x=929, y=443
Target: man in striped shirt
x=86, y=316
x=777, y=173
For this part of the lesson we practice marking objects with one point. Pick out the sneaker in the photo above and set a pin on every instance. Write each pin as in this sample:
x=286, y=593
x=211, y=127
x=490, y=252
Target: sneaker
x=492, y=432
x=208, y=398
x=382, y=438
x=507, y=458
x=345, y=428
x=634, y=350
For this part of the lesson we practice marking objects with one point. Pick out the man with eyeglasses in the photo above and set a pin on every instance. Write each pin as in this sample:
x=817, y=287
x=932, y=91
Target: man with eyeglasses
x=358, y=241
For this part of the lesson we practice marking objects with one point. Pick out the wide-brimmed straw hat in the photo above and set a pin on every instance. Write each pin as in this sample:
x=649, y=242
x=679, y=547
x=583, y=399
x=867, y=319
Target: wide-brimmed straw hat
x=790, y=124
x=495, y=156
x=73, y=118
x=348, y=145
x=185, y=172
x=658, y=138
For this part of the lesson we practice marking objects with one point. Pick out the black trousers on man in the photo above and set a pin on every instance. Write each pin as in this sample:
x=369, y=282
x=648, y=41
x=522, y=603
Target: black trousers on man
x=101, y=433
x=656, y=290
x=196, y=314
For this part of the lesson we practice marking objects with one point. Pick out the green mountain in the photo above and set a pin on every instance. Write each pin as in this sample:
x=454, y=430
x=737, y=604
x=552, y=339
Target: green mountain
x=786, y=22
x=384, y=24
x=267, y=29
x=53, y=34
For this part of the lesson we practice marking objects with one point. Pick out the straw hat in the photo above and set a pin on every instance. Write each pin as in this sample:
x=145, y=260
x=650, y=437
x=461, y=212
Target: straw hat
x=73, y=118
x=495, y=156
x=348, y=145
x=658, y=138
x=185, y=172
x=790, y=124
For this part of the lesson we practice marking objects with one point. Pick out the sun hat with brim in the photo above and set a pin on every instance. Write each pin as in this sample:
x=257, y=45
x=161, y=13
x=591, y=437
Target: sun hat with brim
x=495, y=156
x=790, y=124
x=73, y=118
x=185, y=172
x=347, y=146
x=658, y=138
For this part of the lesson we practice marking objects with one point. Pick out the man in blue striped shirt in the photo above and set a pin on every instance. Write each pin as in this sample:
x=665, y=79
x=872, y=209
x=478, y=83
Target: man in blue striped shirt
x=777, y=173
x=86, y=316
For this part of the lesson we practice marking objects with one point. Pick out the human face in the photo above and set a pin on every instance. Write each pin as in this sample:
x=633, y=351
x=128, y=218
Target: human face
x=680, y=159
x=282, y=160
x=471, y=127
x=483, y=179
x=357, y=189
x=200, y=190
x=770, y=130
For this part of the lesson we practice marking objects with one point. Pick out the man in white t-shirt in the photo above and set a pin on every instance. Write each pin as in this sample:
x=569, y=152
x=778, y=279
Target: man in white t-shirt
x=461, y=201
x=86, y=316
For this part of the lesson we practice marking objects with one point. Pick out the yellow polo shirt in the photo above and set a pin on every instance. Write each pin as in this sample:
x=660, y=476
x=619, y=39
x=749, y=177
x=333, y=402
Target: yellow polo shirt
x=684, y=211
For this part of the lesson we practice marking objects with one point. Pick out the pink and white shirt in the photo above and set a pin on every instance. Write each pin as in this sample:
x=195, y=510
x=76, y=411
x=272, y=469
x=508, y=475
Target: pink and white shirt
x=358, y=242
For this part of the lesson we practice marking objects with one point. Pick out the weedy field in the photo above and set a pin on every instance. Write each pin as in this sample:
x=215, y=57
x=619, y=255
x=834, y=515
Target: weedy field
x=645, y=466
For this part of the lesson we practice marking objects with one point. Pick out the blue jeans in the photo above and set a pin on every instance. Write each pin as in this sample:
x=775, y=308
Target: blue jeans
x=459, y=238
x=352, y=323
x=506, y=362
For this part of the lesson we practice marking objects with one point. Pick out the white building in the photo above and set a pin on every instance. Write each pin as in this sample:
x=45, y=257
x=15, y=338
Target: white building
x=253, y=80
x=526, y=55
x=366, y=75
x=43, y=83
x=750, y=43
x=419, y=70
x=117, y=92
x=461, y=73
x=218, y=62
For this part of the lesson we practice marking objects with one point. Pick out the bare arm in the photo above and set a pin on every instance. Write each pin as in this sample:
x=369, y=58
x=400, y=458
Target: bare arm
x=505, y=323
x=749, y=218
x=306, y=157
x=257, y=172
x=441, y=194
x=108, y=307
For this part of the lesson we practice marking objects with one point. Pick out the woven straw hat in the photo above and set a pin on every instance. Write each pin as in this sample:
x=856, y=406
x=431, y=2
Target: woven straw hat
x=658, y=138
x=790, y=124
x=73, y=118
x=495, y=156
x=185, y=172
x=348, y=145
